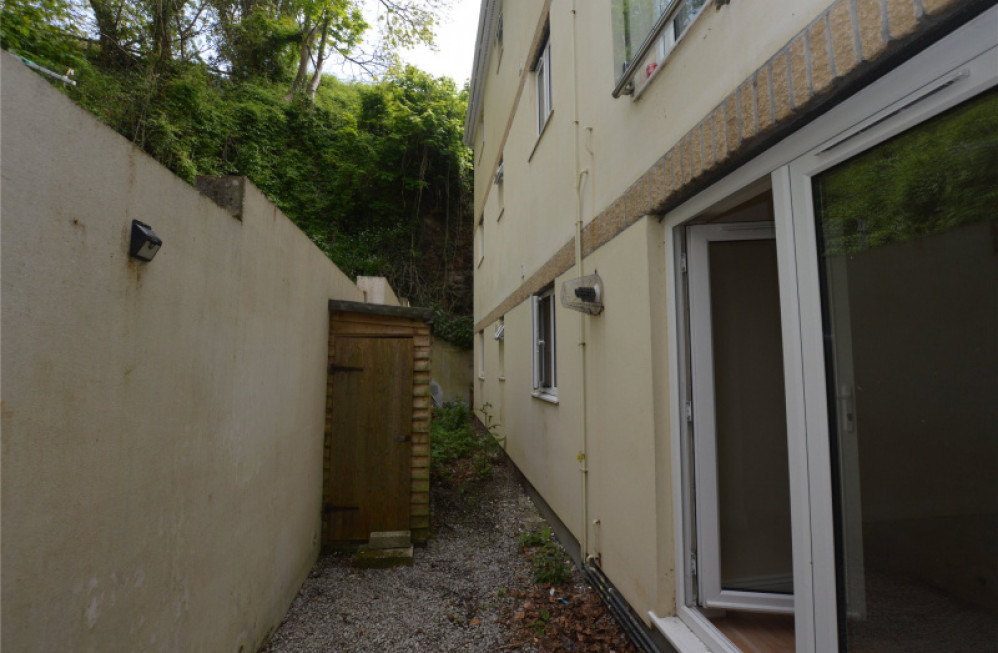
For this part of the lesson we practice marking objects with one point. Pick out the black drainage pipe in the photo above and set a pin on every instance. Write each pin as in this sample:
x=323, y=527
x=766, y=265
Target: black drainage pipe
x=621, y=611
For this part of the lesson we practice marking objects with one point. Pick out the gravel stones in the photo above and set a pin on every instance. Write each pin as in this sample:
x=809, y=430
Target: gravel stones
x=451, y=599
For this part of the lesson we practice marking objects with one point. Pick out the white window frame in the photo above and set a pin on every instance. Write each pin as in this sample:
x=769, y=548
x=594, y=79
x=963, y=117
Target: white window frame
x=708, y=552
x=481, y=240
x=499, y=39
x=542, y=85
x=481, y=354
x=500, y=337
x=544, y=349
x=953, y=70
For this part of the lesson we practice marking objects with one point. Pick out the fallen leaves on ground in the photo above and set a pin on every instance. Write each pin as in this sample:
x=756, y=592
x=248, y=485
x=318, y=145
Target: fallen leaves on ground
x=569, y=618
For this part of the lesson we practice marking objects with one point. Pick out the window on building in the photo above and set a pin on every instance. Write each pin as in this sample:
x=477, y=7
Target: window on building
x=545, y=357
x=499, y=41
x=481, y=238
x=481, y=354
x=644, y=32
x=481, y=130
x=500, y=337
x=542, y=76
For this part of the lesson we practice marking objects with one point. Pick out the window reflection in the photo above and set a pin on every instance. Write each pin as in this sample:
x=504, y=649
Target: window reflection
x=909, y=253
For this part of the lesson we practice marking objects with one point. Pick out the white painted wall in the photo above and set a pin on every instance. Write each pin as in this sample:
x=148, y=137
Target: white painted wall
x=161, y=422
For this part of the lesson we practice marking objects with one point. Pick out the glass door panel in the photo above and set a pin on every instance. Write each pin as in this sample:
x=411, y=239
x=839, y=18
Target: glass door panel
x=740, y=435
x=908, y=253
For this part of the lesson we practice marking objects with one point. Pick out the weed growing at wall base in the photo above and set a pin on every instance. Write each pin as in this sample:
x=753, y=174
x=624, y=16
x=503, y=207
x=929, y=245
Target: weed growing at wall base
x=458, y=450
x=547, y=559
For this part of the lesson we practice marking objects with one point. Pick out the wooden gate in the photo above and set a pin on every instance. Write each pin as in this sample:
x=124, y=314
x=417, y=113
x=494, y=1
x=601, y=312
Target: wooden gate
x=376, y=472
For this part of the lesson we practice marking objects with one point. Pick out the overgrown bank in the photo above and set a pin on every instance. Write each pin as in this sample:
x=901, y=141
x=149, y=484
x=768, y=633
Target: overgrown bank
x=374, y=172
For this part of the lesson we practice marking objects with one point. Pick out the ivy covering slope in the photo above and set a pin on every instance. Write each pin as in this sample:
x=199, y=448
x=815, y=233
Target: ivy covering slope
x=374, y=172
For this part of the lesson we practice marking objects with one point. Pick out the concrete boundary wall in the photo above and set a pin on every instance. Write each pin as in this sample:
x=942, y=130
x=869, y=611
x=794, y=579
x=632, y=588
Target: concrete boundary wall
x=162, y=422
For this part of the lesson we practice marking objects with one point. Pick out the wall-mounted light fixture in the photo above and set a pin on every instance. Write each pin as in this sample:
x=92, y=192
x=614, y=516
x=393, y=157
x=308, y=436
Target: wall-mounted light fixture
x=145, y=243
x=583, y=294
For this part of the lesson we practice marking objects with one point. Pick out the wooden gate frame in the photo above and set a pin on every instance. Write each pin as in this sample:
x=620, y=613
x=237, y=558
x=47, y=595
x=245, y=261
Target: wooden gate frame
x=374, y=320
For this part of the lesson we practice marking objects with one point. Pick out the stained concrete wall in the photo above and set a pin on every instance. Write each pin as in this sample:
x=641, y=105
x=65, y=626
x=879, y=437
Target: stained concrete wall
x=453, y=370
x=377, y=291
x=161, y=422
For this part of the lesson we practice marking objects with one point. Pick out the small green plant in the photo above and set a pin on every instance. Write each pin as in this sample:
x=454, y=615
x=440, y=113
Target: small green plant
x=454, y=439
x=547, y=561
x=491, y=443
x=549, y=565
x=541, y=622
x=535, y=539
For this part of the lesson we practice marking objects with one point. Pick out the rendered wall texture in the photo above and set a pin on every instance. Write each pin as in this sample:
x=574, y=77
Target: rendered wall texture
x=162, y=422
x=744, y=77
x=769, y=66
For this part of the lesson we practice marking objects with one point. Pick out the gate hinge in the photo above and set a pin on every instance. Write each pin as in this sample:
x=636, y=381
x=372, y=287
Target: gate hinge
x=344, y=368
x=689, y=411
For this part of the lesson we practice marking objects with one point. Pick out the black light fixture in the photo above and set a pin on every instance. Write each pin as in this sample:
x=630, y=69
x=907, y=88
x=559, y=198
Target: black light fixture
x=145, y=243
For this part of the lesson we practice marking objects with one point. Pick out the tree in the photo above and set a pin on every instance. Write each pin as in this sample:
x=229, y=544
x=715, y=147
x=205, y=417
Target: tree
x=325, y=25
x=374, y=172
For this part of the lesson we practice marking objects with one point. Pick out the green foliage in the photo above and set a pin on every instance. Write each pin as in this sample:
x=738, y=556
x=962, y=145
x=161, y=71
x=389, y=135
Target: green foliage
x=456, y=329
x=548, y=562
x=376, y=174
x=452, y=436
x=535, y=538
x=540, y=624
x=43, y=31
x=457, y=447
x=922, y=182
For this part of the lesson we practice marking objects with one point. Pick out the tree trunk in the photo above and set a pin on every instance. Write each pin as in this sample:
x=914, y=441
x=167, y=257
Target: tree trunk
x=112, y=54
x=163, y=14
x=304, y=56
x=320, y=58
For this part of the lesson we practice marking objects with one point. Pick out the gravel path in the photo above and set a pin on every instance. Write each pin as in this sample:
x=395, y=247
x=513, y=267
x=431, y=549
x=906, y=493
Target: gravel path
x=451, y=599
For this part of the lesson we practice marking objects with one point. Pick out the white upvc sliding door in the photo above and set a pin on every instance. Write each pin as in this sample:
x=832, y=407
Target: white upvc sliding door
x=841, y=347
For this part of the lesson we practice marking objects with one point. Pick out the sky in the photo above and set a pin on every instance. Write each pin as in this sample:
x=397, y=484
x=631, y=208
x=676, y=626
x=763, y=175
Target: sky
x=455, y=37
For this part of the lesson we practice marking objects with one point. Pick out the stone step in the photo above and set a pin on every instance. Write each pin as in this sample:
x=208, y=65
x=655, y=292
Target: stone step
x=390, y=540
x=368, y=558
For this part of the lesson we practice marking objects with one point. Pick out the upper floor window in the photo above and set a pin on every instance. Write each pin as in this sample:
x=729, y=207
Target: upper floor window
x=542, y=76
x=498, y=40
x=481, y=239
x=644, y=31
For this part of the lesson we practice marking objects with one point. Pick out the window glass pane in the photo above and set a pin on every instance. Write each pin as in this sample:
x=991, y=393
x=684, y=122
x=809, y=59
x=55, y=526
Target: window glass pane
x=541, y=92
x=686, y=14
x=545, y=341
x=632, y=22
x=750, y=418
x=909, y=259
